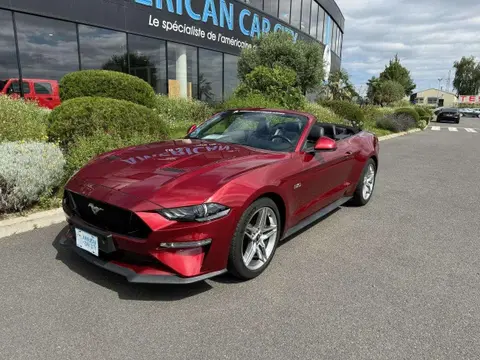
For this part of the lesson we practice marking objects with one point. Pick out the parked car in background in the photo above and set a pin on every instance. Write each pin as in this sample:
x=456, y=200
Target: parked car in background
x=44, y=92
x=449, y=114
x=220, y=199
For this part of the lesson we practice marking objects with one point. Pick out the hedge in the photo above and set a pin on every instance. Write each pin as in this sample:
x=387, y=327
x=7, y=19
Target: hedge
x=346, y=110
x=410, y=112
x=396, y=122
x=84, y=116
x=180, y=112
x=109, y=84
x=29, y=171
x=22, y=120
x=323, y=114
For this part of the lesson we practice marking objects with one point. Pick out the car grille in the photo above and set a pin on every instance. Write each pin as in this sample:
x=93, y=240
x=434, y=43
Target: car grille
x=111, y=218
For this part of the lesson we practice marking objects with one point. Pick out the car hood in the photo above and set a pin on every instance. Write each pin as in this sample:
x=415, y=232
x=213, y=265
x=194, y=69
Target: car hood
x=174, y=172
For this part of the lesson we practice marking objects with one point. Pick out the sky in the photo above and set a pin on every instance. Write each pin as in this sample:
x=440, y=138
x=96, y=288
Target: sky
x=427, y=35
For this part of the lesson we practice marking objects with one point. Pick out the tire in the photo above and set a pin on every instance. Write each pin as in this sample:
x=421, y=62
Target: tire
x=359, y=196
x=237, y=258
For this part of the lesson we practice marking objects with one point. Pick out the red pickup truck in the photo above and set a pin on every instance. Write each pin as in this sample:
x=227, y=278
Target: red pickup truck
x=44, y=92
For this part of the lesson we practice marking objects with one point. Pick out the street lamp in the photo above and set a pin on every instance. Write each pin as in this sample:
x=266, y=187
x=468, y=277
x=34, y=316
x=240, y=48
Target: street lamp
x=438, y=90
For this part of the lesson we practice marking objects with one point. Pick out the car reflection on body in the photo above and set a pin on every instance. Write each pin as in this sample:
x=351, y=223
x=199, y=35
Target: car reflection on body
x=218, y=200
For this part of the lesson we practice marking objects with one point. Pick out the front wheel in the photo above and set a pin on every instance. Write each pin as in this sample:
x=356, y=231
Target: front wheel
x=255, y=239
x=366, y=184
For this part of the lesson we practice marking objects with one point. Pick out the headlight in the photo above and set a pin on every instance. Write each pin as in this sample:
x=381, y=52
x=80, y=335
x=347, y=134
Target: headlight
x=200, y=213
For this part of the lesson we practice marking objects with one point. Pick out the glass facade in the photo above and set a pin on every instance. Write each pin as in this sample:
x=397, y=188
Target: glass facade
x=182, y=70
x=230, y=79
x=102, y=49
x=8, y=55
x=306, y=10
x=211, y=75
x=48, y=48
x=271, y=7
x=148, y=61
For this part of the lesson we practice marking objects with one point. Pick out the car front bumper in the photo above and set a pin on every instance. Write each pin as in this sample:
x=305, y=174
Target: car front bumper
x=149, y=272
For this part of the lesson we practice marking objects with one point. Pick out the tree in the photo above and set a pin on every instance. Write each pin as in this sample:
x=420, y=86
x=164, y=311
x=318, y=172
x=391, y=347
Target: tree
x=397, y=72
x=340, y=87
x=279, y=49
x=467, y=76
x=384, y=92
x=277, y=84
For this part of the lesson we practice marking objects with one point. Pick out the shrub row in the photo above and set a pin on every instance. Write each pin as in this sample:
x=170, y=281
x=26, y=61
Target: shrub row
x=22, y=120
x=347, y=110
x=108, y=84
x=87, y=115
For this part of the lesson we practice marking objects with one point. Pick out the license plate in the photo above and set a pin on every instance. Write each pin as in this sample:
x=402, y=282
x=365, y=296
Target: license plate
x=86, y=241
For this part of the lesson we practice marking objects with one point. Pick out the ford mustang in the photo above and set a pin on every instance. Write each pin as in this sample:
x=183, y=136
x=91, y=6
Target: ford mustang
x=221, y=199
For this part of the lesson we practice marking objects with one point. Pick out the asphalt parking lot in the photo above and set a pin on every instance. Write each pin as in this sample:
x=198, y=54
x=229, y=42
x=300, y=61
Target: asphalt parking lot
x=397, y=279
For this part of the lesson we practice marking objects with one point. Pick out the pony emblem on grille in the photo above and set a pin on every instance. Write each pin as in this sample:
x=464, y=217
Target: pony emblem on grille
x=95, y=209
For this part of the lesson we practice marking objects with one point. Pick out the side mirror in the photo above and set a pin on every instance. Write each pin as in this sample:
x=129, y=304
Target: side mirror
x=191, y=129
x=325, y=144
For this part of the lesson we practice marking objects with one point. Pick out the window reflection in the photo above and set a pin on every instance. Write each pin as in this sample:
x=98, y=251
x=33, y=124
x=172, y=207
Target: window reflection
x=210, y=77
x=327, y=30
x=230, y=66
x=314, y=20
x=284, y=10
x=296, y=13
x=102, y=49
x=255, y=3
x=148, y=61
x=48, y=48
x=271, y=7
x=182, y=71
x=320, y=24
x=8, y=54
x=305, y=24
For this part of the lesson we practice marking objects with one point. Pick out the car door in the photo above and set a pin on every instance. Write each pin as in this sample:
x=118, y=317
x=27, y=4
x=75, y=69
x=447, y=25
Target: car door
x=324, y=178
x=45, y=94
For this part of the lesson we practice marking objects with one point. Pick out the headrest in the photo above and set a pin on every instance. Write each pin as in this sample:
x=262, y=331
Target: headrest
x=316, y=133
x=292, y=127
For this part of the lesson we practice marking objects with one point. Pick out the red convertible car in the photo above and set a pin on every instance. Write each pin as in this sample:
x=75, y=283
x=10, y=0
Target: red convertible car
x=218, y=200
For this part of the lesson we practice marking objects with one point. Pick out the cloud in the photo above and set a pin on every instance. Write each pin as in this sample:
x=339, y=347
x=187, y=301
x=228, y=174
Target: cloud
x=427, y=36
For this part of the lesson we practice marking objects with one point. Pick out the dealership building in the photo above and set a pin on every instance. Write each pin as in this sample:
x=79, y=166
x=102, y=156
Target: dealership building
x=186, y=48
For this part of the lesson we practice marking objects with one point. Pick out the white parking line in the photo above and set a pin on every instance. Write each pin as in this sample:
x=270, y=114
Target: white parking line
x=452, y=129
x=437, y=128
x=470, y=130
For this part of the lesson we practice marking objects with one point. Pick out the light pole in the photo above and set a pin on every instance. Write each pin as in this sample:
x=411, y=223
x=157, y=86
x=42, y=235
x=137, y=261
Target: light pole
x=438, y=90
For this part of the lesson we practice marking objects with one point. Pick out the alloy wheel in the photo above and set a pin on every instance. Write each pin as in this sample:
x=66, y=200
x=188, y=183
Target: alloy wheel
x=368, y=182
x=259, y=238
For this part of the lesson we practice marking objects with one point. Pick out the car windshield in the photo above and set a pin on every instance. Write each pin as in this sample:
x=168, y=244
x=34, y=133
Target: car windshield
x=454, y=110
x=275, y=131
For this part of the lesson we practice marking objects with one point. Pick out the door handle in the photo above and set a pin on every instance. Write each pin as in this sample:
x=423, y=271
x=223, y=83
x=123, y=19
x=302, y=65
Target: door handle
x=348, y=153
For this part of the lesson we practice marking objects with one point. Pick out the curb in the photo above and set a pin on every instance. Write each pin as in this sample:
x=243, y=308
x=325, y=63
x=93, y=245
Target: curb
x=391, y=136
x=22, y=224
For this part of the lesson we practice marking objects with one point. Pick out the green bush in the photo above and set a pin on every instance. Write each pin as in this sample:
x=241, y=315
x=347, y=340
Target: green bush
x=22, y=120
x=28, y=172
x=410, y=112
x=109, y=84
x=249, y=101
x=323, y=114
x=420, y=110
x=372, y=112
x=347, y=110
x=85, y=116
x=277, y=83
x=182, y=113
x=85, y=148
x=396, y=122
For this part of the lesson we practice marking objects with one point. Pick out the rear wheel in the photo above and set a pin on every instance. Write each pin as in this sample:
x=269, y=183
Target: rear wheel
x=255, y=239
x=366, y=184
